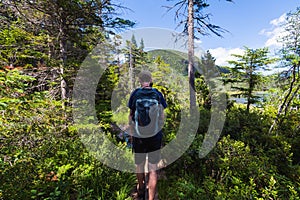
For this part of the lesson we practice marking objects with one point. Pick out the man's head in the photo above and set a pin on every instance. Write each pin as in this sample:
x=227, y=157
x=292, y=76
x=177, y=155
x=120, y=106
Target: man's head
x=145, y=77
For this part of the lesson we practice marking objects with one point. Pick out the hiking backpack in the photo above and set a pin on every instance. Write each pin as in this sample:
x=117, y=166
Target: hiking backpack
x=147, y=112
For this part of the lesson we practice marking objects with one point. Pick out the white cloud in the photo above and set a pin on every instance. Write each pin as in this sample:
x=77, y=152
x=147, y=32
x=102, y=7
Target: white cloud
x=275, y=32
x=279, y=21
x=222, y=55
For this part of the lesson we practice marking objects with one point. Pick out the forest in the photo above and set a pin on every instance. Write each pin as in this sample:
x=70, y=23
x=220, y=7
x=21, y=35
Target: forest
x=64, y=115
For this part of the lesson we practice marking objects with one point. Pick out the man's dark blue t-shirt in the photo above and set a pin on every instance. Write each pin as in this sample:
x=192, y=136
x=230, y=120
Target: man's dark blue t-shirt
x=152, y=144
x=131, y=103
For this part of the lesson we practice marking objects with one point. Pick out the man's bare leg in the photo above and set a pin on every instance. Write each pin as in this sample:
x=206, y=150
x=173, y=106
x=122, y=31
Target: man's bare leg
x=140, y=173
x=152, y=184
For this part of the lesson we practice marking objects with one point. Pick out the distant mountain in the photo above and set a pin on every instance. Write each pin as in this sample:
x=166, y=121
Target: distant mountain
x=177, y=60
x=223, y=70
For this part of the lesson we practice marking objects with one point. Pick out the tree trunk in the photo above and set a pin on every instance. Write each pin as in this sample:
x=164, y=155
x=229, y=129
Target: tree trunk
x=191, y=72
x=291, y=99
x=63, y=58
x=131, y=75
x=283, y=106
x=251, y=87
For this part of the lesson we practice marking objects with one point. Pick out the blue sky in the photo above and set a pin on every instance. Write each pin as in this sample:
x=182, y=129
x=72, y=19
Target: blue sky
x=251, y=23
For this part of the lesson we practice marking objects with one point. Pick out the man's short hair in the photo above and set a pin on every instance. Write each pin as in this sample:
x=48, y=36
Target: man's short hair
x=145, y=76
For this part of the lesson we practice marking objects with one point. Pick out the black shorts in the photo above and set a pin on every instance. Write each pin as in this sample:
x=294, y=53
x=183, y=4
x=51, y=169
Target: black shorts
x=150, y=146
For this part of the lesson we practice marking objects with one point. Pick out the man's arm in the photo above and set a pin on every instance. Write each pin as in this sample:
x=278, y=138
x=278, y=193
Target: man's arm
x=131, y=128
x=131, y=113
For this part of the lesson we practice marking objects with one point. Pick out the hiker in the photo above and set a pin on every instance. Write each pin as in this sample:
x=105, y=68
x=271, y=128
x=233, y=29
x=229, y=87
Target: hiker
x=146, y=119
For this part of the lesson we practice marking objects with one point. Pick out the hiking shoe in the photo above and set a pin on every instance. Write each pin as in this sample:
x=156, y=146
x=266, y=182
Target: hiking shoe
x=141, y=193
